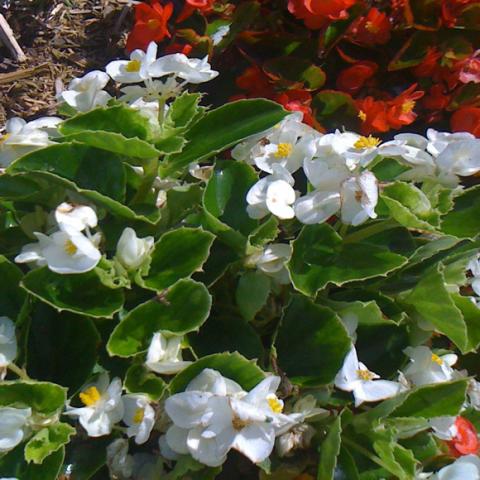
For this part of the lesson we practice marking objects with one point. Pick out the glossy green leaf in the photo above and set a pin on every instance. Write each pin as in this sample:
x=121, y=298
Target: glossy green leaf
x=183, y=309
x=183, y=110
x=432, y=301
x=118, y=119
x=85, y=457
x=321, y=257
x=329, y=450
x=223, y=127
x=231, y=365
x=88, y=167
x=12, y=465
x=311, y=342
x=12, y=297
x=252, y=293
x=471, y=316
x=464, y=220
x=264, y=233
x=46, y=441
x=177, y=254
x=78, y=293
x=42, y=397
x=67, y=361
x=139, y=379
x=399, y=461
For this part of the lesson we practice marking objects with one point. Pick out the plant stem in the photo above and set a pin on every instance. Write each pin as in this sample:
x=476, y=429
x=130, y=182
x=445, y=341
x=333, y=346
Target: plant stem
x=370, y=230
x=366, y=453
x=18, y=371
x=150, y=171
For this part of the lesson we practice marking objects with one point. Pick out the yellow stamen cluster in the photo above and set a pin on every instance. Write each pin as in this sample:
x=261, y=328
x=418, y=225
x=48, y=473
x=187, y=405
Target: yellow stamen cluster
x=70, y=248
x=4, y=137
x=153, y=24
x=362, y=115
x=274, y=403
x=90, y=396
x=365, y=374
x=408, y=106
x=138, y=415
x=437, y=359
x=371, y=27
x=283, y=150
x=133, y=66
x=367, y=142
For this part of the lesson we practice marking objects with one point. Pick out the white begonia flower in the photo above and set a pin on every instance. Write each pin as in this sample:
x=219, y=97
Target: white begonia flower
x=103, y=406
x=153, y=91
x=439, y=141
x=13, y=426
x=459, y=158
x=273, y=193
x=219, y=34
x=76, y=217
x=207, y=425
x=8, y=342
x=136, y=69
x=359, y=197
x=192, y=70
x=21, y=137
x=365, y=385
x=120, y=463
x=289, y=145
x=473, y=392
x=474, y=267
x=464, y=468
x=443, y=428
x=426, y=367
x=317, y=207
x=164, y=354
x=64, y=252
x=131, y=250
x=86, y=93
x=298, y=438
x=272, y=260
x=139, y=416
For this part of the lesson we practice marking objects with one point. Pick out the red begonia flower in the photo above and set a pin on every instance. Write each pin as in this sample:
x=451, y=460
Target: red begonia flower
x=373, y=115
x=429, y=64
x=353, y=78
x=179, y=48
x=297, y=101
x=255, y=82
x=371, y=29
x=315, y=13
x=469, y=68
x=465, y=441
x=400, y=110
x=150, y=24
x=436, y=98
x=466, y=119
x=191, y=5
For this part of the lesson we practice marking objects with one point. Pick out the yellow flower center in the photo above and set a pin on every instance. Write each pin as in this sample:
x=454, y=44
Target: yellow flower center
x=367, y=142
x=133, y=66
x=138, y=416
x=371, y=27
x=153, y=24
x=437, y=359
x=274, y=403
x=4, y=137
x=283, y=150
x=90, y=396
x=70, y=248
x=365, y=374
x=362, y=115
x=408, y=106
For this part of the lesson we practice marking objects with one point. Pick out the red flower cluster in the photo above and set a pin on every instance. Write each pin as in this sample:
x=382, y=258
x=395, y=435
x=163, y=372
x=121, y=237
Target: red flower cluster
x=190, y=6
x=315, y=13
x=465, y=441
x=466, y=119
x=371, y=29
x=150, y=24
x=385, y=115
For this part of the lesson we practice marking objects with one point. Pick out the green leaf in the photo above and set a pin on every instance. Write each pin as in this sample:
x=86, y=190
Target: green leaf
x=311, y=351
x=182, y=309
x=46, y=441
x=471, y=316
x=464, y=220
x=85, y=457
x=187, y=467
x=223, y=127
x=432, y=301
x=13, y=465
x=140, y=380
x=252, y=293
x=116, y=143
x=183, y=110
x=69, y=359
x=43, y=397
x=88, y=167
x=399, y=461
x=365, y=313
x=118, y=119
x=409, y=206
x=329, y=450
x=388, y=169
x=177, y=254
x=320, y=257
x=12, y=297
x=78, y=293
x=294, y=71
x=264, y=233
x=231, y=365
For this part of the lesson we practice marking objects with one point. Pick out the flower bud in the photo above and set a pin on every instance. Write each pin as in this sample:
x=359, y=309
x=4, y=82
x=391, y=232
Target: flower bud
x=131, y=250
x=299, y=437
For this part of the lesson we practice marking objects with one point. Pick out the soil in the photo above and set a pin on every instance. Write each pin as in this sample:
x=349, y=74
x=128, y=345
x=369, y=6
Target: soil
x=61, y=39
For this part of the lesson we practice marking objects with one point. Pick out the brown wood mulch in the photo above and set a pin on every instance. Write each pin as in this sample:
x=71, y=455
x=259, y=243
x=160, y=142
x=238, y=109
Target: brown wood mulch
x=61, y=39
